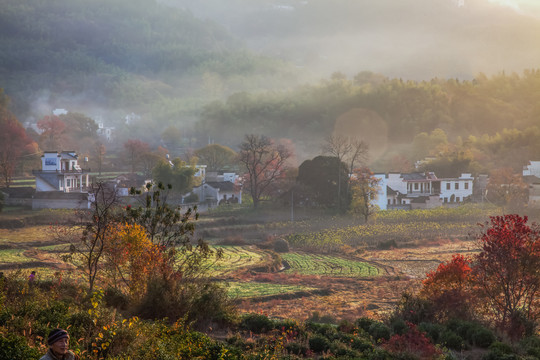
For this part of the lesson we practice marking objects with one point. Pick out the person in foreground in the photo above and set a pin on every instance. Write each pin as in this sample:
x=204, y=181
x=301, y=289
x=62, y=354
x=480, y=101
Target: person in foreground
x=58, y=342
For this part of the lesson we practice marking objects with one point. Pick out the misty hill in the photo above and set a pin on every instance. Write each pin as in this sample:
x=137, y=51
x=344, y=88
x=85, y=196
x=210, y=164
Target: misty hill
x=121, y=53
x=411, y=39
x=389, y=114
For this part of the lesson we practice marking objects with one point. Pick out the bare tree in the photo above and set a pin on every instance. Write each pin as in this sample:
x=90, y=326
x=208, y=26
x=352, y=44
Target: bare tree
x=348, y=150
x=88, y=236
x=264, y=162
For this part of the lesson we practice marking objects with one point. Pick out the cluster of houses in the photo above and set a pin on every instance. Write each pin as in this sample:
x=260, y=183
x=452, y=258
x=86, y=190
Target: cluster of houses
x=63, y=183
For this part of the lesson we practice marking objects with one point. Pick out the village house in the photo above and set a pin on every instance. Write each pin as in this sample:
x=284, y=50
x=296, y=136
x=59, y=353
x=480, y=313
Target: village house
x=421, y=190
x=531, y=176
x=219, y=189
x=61, y=182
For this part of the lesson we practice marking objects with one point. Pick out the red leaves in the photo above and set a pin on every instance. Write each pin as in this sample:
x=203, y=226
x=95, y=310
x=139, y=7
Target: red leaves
x=413, y=342
x=502, y=281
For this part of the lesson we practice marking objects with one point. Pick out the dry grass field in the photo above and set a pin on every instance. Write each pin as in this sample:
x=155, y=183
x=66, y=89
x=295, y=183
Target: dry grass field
x=343, y=281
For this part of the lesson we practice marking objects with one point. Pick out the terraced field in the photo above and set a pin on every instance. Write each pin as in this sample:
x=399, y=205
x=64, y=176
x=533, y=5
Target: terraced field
x=234, y=258
x=324, y=265
x=239, y=290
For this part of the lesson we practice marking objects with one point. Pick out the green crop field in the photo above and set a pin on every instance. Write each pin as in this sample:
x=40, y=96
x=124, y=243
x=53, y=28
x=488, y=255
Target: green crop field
x=11, y=256
x=235, y=257
x=309, y=264
x=255, y=289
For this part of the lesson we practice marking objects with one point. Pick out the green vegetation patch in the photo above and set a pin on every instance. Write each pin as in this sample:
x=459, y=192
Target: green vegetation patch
x=11, y=256
x=235, y=257
x=309, y=264
x=254, y=289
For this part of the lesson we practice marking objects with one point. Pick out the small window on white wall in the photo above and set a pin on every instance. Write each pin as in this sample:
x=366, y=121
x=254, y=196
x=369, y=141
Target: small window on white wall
x=466, y=186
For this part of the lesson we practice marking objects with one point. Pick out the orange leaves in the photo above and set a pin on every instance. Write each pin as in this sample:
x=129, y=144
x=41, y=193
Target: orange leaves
x=131, y=253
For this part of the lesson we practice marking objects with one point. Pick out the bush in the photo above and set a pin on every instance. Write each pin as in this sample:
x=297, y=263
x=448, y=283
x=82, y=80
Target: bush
x=256, y=323
x=319, y=343
x=364, y=323
x=379, y=331
x=452, y=340
x=482, y=337
x=115, y=298
x=296, y=349
x=201, y=302
x=14, y=347
x=281, y=246
x=362, y=345
x=433, y=331
x=399, y=326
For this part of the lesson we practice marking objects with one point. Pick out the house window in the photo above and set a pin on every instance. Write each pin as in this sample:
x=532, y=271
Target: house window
x=68, y=182
x=447, y=186
x=415, y=186
x=445, y=199
x=466, y=186
x=389, y=202
x=457, y=199
x=457, y=186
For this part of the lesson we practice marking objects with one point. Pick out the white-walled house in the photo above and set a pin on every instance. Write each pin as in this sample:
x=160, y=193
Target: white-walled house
x=421, y=190
x=219, y=192
x=61, y=183
x=456, y=190
x=531, y=176
x=61, y=172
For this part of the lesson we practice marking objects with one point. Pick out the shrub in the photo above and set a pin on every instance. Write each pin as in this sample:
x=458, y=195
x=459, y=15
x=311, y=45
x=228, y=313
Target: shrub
x=281, y=246
x=319, y=343
x=14, y=347
x=399, y=326
x=362, y=345
x=482, y=337
x=296, y=348
x=364, y=323
x=434, y=331
x=115, y=298
x=531, y=345
x=256, y=323
x=452, y=340
x=379, y=331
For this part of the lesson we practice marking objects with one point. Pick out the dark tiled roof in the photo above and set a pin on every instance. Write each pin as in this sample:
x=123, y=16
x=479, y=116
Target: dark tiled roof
x=222, y=185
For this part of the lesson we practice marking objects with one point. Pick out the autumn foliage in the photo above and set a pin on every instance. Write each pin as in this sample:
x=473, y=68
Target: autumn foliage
x=413, y=343
x=501, y=283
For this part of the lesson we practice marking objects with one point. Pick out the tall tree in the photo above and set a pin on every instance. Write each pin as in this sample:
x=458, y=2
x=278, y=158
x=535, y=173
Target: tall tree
x=53, y=128
x=264, y=162
x=364, y=190
x=216, y=156
x=177, y=173
x=507, y=189
x=321, y=177
x=346, y=149
x=14, y=142
x=134, y=150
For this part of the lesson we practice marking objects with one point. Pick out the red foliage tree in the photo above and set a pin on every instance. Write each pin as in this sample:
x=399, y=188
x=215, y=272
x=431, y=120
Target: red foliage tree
x=507, y=271
x=450, y=288
x=53, y=128
x=502, y=282
x=13, y=143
